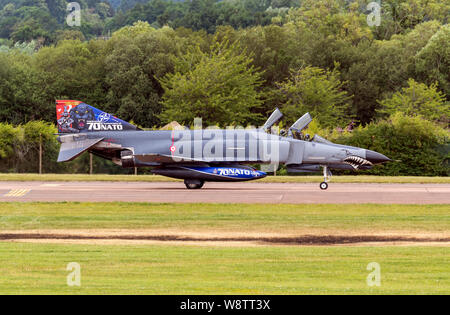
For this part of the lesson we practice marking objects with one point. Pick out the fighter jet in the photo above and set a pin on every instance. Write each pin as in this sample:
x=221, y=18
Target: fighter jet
x=204, y=155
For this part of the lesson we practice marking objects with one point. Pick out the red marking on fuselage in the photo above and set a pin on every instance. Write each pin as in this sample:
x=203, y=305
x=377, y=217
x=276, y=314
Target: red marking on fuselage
x=172, y=147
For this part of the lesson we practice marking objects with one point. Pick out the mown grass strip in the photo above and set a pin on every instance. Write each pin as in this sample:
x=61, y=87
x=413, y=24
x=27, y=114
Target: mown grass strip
x=226, y=217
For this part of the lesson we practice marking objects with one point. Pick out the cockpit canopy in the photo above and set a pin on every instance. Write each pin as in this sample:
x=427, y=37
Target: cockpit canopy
x=296, y=130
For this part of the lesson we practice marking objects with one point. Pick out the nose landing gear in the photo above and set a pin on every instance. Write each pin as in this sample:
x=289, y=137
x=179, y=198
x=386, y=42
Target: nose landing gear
x=326, y=177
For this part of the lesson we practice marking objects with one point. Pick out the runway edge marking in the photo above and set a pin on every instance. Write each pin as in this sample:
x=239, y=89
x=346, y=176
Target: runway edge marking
x=17, y=193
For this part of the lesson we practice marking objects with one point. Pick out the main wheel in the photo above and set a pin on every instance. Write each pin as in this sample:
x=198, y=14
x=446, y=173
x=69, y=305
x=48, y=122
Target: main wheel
x=323, y=185
x=193, y=183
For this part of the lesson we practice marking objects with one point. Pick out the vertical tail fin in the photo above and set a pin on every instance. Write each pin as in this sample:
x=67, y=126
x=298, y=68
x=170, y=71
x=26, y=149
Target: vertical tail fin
x=76, y=117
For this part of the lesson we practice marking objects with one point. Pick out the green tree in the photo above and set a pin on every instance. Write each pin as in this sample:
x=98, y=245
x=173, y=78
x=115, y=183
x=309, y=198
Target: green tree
x=21, y=96
x=69, y=35
x=132, y=31
x=7, y=135
x=66, y=67
x=221, y=87
x=317, y=91
x=136, y=57
x=399, y=16
x=418, y=99
x=57, y=9
x=27, y=31
x=272, y=50
x=433, y=61
x=375, y=70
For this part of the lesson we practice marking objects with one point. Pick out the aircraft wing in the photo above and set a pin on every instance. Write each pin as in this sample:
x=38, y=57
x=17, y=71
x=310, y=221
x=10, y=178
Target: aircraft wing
x=72, y=147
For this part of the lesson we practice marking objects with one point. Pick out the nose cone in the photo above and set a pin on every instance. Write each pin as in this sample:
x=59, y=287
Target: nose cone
x=376, y=158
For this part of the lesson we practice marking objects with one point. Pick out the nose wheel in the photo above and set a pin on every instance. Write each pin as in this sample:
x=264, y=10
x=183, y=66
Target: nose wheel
x=326, y=177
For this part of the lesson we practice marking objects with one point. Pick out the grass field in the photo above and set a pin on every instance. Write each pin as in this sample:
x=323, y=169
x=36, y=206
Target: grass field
x=269, y=179
x=164, y=268
x=41, y=268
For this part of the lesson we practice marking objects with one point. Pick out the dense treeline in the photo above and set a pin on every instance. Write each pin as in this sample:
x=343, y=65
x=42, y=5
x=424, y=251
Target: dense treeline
x=318, y=56
x=44, y=20
x=203, y=14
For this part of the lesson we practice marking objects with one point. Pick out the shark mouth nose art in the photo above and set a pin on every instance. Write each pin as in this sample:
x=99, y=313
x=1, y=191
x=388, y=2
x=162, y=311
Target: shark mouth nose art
x=356, y=162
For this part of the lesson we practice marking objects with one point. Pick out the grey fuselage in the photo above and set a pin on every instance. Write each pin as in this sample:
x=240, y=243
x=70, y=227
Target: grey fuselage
x=216, y=147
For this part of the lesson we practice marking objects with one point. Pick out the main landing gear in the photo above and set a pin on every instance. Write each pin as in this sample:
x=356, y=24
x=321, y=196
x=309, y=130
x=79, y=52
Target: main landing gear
x=326, y=177
x=193, y=183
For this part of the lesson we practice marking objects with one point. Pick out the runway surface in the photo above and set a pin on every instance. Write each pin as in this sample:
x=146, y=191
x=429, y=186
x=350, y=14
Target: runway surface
x=247, y=192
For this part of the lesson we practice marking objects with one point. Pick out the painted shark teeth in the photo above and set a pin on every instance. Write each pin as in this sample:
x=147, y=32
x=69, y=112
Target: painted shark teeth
x=356, y=161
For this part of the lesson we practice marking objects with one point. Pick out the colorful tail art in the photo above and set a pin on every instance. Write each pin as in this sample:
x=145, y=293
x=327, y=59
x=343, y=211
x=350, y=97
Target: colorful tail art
x=78, y=117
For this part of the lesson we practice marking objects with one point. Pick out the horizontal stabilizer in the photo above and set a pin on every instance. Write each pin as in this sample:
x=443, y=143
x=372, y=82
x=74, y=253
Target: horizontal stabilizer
x=70, y=150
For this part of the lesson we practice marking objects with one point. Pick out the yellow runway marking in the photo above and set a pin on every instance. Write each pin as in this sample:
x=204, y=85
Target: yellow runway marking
x=17, y=193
